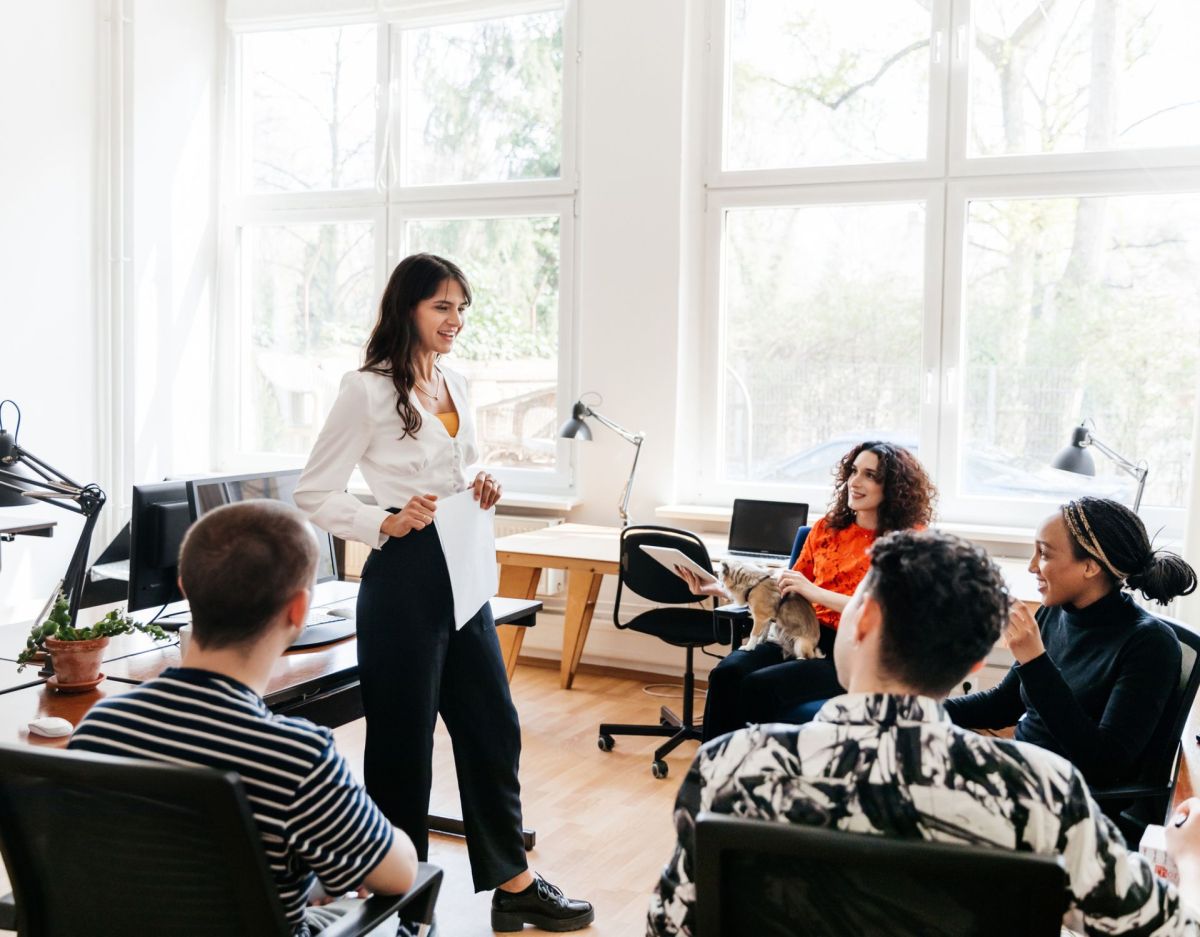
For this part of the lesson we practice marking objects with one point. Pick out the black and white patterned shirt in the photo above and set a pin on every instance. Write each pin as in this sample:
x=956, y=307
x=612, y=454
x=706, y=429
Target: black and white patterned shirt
x=311, y=813
x=896, y=765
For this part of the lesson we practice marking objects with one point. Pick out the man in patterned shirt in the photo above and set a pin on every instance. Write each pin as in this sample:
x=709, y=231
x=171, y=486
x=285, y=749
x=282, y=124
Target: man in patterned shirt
x=247, y=570
x=885, y=758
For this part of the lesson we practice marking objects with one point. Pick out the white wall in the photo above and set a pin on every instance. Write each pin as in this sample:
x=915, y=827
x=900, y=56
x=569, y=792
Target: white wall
x=48, y=211
x=176, y=69
x=639, y=213
x=60, y=74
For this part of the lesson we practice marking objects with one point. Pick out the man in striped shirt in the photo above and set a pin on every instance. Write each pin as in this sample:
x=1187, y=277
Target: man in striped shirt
x=247, y=570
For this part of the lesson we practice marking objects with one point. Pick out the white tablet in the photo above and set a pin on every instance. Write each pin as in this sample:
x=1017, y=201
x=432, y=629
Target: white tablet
x=670, y=558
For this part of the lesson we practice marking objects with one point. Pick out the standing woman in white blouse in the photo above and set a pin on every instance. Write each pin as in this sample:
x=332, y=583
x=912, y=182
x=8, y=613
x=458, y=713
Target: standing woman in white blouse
x=404, y=419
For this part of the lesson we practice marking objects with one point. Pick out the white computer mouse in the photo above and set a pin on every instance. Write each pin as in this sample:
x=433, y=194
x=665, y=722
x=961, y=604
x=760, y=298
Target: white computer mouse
x=341, y=612
x=52, y=726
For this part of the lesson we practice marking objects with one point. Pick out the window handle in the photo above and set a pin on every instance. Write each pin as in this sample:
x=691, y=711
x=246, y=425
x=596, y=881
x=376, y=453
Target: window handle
x=939, y=46
x=951, y=387
x=930, y=385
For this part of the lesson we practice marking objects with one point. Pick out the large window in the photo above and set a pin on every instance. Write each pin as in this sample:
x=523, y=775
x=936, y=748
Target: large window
x=358, y=143
x=963, y=227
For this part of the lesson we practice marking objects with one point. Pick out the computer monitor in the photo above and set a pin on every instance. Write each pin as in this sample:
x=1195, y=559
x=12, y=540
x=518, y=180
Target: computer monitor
x=159, y=520
x=205, y=494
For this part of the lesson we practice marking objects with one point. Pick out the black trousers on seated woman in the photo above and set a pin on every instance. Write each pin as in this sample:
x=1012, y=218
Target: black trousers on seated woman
x=414, y=665
x=760, y=685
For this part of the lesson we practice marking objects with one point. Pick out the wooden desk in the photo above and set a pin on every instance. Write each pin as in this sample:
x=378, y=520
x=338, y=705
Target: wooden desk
x=588, y=553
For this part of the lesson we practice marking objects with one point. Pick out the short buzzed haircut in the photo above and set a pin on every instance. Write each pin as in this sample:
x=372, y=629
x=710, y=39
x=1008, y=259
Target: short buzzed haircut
x=240, y=564
x=944, y=605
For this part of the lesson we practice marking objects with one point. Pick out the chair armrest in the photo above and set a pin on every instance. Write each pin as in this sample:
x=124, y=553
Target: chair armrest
x=416, y=904
x=1130, y=792
x=733, y=610
x=8, y=912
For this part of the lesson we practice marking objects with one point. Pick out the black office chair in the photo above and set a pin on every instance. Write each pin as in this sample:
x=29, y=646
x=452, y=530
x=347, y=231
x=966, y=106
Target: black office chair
x=108, y=846
x=774, y=879
x=1147, y=798
x=688, y=628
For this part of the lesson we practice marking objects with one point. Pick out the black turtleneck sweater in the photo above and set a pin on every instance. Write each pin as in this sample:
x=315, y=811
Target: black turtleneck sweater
x=1095, y=696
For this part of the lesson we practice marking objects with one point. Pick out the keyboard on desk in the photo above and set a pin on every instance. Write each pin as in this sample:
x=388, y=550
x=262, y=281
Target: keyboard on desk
x=316, y=616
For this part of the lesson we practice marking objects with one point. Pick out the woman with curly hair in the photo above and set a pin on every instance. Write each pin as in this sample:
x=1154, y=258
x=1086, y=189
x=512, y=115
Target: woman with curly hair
x=879, y=488
x=1093, y=669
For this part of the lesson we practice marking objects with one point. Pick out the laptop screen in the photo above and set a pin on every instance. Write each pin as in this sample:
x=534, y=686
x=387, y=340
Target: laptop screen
x=204, y=494
x=765, y=527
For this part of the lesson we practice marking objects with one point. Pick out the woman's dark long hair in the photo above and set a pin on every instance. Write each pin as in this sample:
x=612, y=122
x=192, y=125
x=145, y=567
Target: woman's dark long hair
x=908, y=494
x=1109, y=533
x=392, y=344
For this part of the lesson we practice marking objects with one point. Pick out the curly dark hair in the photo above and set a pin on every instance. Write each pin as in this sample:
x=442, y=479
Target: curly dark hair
x=944, y=604
x=393, y=341
x=1115, y=537
x=908, y=494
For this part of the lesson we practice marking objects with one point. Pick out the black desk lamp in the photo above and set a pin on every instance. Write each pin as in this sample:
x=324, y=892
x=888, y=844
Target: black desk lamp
x=1075, y=458
x=575, y=428
x=25, y=479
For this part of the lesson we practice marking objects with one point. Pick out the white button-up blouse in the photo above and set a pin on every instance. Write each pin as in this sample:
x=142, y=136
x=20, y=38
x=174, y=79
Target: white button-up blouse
x=364, y=429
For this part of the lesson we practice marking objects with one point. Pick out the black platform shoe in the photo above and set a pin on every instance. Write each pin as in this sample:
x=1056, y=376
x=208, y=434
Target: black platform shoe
x=542, y=905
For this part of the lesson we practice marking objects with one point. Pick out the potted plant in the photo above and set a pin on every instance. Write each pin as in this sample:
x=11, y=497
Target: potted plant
x=76, y=652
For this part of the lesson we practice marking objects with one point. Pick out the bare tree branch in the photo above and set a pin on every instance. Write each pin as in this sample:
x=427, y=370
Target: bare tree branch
x=1157, y=113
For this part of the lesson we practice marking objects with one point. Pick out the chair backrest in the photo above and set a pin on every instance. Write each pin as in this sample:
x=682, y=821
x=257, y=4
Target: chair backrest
x=108, y=846
x=774, y=879
x=1158, y=759
x=646, y=576
x=798, y=545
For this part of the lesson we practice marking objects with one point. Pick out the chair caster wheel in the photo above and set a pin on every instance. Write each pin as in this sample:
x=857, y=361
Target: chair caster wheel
x=605, y=743
x=659, y=768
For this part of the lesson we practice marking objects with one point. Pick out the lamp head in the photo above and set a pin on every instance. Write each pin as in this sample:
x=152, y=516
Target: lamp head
x=10, y=459
x=575, y=427
x=1074, y=457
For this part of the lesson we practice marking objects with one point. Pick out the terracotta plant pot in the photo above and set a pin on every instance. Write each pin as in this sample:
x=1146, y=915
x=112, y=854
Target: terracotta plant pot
x=76, y=661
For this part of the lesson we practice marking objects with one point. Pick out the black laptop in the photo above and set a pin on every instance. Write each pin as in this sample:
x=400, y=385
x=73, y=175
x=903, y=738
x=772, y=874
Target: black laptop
x=764, y=530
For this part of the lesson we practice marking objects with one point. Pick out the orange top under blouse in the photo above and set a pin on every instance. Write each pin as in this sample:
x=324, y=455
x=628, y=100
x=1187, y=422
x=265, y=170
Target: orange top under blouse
x=450, y=421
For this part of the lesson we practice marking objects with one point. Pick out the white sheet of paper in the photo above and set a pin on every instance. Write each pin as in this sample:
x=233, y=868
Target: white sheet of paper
x=468, y=536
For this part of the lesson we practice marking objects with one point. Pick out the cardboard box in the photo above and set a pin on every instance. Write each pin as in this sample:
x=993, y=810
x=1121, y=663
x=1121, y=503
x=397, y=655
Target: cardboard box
x=1154, y=847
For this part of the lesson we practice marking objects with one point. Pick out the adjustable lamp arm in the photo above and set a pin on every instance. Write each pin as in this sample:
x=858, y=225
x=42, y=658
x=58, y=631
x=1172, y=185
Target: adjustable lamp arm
x=1138, y=470
x=635, y=438
x=53, y=487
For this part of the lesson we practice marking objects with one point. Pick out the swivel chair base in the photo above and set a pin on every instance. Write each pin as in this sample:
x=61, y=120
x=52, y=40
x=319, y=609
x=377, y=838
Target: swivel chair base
x=677, y=729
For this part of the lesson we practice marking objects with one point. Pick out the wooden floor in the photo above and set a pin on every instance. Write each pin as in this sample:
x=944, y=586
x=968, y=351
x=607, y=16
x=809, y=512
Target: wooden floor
x=603, y=823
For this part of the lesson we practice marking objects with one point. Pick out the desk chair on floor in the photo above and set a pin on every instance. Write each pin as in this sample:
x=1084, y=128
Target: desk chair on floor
x=688, y=628
x=111, y=846
x=1147, y=798
x=771, y=878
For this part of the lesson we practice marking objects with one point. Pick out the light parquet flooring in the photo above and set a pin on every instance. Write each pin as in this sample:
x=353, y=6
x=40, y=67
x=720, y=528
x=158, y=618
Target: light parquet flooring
x=603, y=823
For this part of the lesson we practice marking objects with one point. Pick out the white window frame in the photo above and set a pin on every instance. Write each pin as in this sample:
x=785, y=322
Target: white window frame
x=946, y=181
x=389, y=204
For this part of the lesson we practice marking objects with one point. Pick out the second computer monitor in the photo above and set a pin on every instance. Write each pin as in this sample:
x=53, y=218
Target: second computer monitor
x=205, y=494
x=159, y=520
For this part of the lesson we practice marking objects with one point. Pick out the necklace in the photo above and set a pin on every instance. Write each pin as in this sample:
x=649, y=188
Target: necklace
x=438, y=395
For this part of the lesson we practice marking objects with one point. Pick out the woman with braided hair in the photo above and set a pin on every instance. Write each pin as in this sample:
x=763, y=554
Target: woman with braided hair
x=1093, y=669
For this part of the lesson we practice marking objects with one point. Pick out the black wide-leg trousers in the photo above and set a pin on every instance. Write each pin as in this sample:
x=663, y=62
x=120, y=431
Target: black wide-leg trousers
x=761, y=685
x=413, y=665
